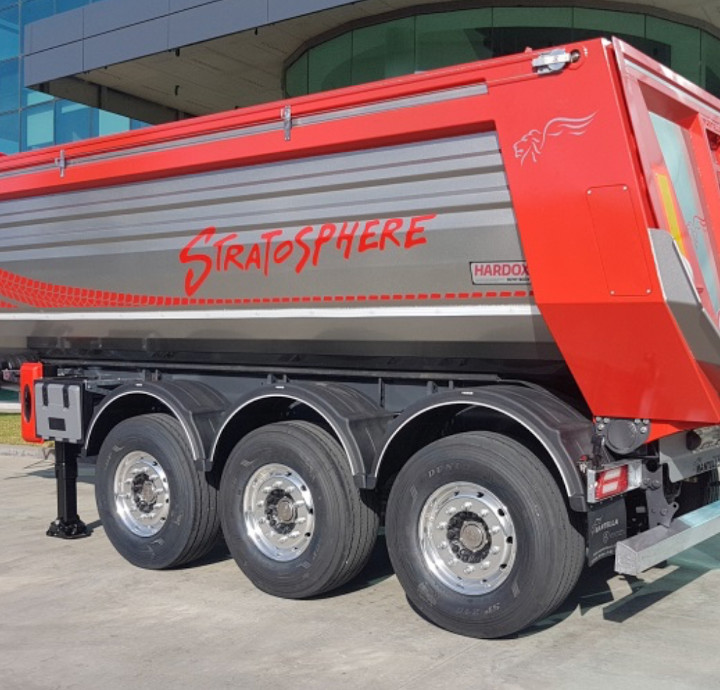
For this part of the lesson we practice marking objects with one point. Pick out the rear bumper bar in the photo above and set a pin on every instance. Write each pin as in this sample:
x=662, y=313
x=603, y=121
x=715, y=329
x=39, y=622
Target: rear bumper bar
x=638, y=553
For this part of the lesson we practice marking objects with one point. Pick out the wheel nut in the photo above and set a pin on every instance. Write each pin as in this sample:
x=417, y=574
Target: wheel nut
x=469, y=569
x=450, y=511
x=467, y=505
x=484, y=512
x=485, y=565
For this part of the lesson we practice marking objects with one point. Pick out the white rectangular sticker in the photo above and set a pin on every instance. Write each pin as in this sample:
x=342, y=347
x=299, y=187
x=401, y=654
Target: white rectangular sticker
x=499, y=273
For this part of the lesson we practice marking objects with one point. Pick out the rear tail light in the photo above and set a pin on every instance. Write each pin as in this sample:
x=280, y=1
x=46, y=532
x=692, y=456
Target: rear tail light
x=29, y=373
x=612, y=481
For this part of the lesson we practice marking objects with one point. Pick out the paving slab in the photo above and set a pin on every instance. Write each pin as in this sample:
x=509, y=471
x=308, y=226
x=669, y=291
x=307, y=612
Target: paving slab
x=75, y=616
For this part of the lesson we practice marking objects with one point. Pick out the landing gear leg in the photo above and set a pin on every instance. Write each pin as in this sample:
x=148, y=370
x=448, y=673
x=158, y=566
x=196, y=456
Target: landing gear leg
x=67, y=525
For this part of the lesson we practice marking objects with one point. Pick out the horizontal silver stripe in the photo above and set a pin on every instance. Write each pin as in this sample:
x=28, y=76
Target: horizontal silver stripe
x=521, y=310
x=395, y=104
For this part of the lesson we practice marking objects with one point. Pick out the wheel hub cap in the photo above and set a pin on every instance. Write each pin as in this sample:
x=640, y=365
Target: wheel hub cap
x=286, y=510
x=467, y=538
x=473, y=536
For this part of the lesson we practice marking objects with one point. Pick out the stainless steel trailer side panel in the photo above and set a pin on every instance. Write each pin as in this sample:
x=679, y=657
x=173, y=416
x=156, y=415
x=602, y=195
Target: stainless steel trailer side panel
x=370, y=247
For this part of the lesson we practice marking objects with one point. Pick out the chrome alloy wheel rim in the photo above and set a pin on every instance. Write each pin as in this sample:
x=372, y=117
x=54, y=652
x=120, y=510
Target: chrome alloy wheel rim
x=142, y=493
x=467, y=538
x=278, y=512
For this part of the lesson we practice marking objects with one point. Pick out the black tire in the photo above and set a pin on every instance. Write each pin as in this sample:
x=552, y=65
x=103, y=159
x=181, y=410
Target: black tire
x=339, y=522
x=185, y=523
x=699, y=491
x=525, y=537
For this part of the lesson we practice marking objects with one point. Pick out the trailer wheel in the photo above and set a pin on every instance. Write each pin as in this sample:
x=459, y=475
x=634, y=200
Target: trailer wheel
x=157, y=509
x=480, y=536
x=292, y=517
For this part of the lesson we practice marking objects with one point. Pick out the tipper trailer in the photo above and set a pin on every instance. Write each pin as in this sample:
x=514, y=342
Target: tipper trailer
x=479, y=305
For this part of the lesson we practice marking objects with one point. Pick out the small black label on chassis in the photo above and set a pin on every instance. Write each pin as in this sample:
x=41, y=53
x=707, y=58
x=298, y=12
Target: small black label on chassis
x=607, y=525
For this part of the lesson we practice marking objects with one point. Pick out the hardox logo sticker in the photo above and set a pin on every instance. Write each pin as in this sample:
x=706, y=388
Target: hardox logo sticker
x=533, y=143
x=499, y=272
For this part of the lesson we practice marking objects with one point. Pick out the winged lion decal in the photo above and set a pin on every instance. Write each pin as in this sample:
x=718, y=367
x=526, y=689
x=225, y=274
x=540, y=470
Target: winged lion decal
x=533, y=143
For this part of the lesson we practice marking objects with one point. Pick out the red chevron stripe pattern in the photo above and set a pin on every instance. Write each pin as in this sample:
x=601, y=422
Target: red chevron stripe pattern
x=43, y=295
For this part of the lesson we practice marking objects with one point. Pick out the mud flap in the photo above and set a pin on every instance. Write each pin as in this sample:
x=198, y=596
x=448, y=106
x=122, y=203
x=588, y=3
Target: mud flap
x=607, y=525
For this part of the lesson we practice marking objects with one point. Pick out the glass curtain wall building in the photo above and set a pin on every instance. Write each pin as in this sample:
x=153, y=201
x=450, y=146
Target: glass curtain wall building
x=427, y=40
x=411, y=40
x=30, y=119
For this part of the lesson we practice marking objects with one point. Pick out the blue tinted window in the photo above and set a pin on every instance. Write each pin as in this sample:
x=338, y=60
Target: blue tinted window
x=9, y=32
x=9, y=133
x=452, y=38
x=385, y=50
x=32, y=97
x=110, y=123
x=9, y=85
x=72, y=121
x=38, y=125
x=711, y=62
x=296, y=77
x=330, y=64
x=447, y=38
x=32, y=10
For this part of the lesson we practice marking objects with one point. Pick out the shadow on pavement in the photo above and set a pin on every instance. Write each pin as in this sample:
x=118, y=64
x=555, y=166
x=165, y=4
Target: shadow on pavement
x=594, y=591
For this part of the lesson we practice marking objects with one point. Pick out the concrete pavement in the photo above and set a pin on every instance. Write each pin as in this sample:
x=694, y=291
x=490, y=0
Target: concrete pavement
x=74, y=615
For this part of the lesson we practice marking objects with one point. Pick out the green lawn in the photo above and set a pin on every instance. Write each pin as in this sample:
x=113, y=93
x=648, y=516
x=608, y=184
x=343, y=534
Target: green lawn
x=10, y=429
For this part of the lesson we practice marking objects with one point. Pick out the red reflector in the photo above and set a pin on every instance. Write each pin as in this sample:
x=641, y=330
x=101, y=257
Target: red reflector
x=611, y=482
x=29, y=373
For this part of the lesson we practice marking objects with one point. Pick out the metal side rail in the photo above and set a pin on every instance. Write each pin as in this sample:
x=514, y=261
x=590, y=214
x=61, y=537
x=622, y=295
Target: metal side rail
x=637, y=554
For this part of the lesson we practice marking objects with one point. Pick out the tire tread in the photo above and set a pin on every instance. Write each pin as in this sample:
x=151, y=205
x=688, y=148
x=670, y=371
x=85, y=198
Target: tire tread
x=503, y=462
x=314, y=444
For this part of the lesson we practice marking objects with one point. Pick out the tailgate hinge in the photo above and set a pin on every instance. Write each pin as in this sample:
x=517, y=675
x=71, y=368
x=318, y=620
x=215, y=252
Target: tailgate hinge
x=286, y=113
x=554, y=60
x=61, y=162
